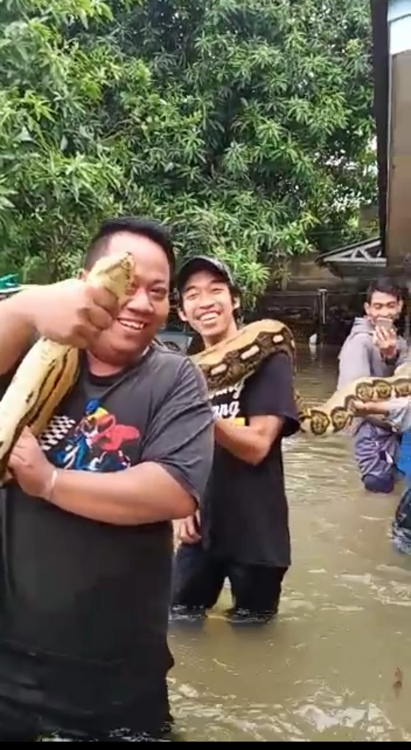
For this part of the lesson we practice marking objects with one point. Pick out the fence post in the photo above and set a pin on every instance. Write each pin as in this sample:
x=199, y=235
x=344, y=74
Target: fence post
x=406, y=267
x=322, y=304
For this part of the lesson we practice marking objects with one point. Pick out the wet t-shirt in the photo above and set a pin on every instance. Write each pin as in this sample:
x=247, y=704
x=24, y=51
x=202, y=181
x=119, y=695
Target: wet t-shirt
x=244, y=511
x=84, y=604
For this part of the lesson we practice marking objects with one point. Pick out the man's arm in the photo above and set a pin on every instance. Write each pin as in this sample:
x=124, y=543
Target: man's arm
x=252, y=442
x=70, y=312
x=167, y=484
x=397, y=411
x=354, y=360
x=16, y=328
x=147, y=493
x=404, y=353
x=272, y=411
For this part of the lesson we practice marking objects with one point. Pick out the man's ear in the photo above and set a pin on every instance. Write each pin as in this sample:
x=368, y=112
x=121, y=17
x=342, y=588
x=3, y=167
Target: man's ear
x=366, y=308
x=182, y=315
x=236, y=303
x=401, y=305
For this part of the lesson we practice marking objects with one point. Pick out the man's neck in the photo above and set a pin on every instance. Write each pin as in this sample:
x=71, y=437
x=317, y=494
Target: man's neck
x=104, y=369
x=222, y=337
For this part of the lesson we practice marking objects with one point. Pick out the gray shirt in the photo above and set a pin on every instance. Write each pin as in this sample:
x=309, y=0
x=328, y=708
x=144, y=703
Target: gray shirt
x=85, y=603
x=399, y=414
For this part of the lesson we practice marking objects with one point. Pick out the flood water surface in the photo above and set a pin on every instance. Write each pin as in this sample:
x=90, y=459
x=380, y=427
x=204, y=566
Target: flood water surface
x=327, y=668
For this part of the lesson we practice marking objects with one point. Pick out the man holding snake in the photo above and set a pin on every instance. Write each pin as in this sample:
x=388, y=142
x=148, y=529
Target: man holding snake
x=241, y=531
x=86, y=529
x=374, y=349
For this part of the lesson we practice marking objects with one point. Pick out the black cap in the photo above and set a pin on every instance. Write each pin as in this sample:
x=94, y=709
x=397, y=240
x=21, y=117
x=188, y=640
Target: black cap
x=203, y=263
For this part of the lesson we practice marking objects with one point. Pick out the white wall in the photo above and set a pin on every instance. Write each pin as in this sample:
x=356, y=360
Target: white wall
x=399, y=21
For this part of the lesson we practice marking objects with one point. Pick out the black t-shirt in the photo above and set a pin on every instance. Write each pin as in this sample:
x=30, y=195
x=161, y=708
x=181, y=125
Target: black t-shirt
x=244, y=511
x=83, y=604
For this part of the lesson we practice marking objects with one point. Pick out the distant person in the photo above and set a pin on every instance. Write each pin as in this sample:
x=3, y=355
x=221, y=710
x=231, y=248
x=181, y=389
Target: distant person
x=397, y=413
x=374, y=349
x=242, y=530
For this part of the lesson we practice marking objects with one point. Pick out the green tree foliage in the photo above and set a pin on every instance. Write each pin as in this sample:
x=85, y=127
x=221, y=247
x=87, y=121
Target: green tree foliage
x=246, y=124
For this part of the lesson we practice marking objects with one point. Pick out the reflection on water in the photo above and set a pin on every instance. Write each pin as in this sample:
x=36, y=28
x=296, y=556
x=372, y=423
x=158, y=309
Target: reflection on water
x=325, y=670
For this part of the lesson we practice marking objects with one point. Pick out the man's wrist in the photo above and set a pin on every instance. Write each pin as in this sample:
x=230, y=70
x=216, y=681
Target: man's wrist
x=391, y=357
x=50, y=485
x=24, y=304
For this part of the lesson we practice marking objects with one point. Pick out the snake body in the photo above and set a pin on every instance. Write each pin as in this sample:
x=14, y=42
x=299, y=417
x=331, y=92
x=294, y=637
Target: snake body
x=238, y=358
x=49, y=369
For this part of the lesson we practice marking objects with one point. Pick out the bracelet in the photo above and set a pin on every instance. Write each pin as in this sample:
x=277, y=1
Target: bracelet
x=48, y=495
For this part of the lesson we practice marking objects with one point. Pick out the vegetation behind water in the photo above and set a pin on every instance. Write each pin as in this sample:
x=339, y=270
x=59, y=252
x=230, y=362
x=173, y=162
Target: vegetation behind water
x=247, y=124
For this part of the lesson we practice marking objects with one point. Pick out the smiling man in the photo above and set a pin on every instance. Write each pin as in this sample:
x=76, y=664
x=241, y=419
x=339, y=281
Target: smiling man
x=86, y=522
x=241, y=532
x=374, y=349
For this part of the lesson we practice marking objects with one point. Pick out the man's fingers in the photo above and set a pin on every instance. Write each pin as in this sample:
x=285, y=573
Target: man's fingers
x=27, y=435
x=386, y=333
x=192, y=529
x=189, y=522
x=83, y=335
x=188, y=531
x=15, y=460
x=20, y=446
x=23, y=448
x=184, y=533
x=103, y=298
x=382, y=334
x=100, y=318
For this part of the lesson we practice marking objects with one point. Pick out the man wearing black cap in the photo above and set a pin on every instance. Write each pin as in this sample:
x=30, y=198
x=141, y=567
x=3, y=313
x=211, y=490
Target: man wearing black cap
x=241, y=532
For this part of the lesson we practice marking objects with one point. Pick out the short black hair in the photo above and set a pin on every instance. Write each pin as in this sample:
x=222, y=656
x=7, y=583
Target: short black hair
x=385, y=286
x=144, y=227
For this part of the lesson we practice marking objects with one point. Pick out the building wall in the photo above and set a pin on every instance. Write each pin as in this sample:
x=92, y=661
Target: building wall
x=398, y=239
x=399, y=26
x=304, y=274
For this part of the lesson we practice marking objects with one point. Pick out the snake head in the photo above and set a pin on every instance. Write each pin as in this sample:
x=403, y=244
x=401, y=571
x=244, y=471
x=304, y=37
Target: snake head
x=115, y=273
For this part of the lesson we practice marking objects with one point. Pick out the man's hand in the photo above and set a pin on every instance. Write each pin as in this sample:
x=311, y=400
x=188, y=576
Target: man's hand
x=363, y=408
x=70, y=312
x=188, y=529
x=386, y=341
x=358, y=407
x=30, y=467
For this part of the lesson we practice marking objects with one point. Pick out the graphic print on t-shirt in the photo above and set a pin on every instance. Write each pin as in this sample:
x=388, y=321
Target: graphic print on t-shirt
x=96, y=443
x=225, y=403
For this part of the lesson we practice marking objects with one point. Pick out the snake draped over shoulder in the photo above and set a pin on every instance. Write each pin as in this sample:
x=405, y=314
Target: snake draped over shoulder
x=49, y=369
x=224, y=365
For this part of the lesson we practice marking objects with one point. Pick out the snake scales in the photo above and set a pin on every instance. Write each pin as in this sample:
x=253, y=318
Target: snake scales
x=49, y=370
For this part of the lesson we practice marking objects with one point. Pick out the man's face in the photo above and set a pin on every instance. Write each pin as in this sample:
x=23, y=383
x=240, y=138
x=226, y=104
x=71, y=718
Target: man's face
x=143, y=313
x=383, y=305
x=207, y=304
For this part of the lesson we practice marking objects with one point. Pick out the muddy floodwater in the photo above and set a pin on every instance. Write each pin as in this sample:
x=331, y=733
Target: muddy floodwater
x=326, y=670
